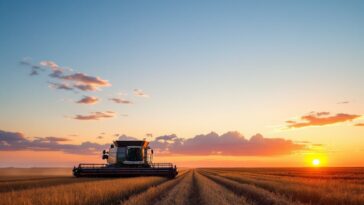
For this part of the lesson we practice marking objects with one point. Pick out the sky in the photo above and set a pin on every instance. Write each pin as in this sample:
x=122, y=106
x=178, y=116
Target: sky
x=209, y=83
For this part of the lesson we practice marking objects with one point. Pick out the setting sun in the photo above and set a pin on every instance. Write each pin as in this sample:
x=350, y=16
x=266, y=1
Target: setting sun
x=316, y=162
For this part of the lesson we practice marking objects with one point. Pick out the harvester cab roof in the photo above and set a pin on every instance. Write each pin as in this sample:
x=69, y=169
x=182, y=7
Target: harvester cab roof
x=127, y=158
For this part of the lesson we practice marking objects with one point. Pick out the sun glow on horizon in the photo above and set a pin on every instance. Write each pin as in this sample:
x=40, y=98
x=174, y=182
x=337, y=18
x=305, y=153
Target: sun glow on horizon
x=316, y=159
x=316, y=162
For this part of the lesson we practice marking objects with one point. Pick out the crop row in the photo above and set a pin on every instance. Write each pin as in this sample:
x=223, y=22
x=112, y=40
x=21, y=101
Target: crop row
x=301, y=190
x=199, y=186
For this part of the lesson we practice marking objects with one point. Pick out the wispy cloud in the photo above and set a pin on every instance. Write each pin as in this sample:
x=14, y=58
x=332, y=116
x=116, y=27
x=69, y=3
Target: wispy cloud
x=359, y=124
x=343, y=102
x=26, y=61
x=120, y=101
x=320, y=119
x=125, y=137
x=51, y=139
x=34, y=69
x=88, y=100
x=86, y=82
x=60, y=86
x=140, y=93
x=85, y=87
x=56, y=70
x=83, y=78
x=52, y=65
x=67, y=76
x=95, y=116
x=34, y=72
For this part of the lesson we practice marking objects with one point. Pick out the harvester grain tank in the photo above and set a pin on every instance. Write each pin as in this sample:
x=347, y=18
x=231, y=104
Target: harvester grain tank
x=127, y=158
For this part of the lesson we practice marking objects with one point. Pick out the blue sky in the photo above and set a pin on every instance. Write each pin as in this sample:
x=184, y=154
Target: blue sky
x=207, y=65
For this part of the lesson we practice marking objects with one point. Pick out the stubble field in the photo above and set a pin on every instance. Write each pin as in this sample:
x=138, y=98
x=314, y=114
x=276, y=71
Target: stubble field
x=192, y=186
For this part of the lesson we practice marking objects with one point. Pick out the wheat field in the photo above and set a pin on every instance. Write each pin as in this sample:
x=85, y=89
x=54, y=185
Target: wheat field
x=207, y=186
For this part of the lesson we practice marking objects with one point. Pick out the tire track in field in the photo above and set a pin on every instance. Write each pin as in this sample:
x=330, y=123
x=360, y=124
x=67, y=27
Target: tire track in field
x=299, y=192
x=182, y=193
x=195, y=191
x=304, y=193
x=152, y=195
x=251, y=192
x=212, y=193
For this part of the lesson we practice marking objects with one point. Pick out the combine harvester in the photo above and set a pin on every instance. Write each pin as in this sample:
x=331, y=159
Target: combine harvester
x=127, y=158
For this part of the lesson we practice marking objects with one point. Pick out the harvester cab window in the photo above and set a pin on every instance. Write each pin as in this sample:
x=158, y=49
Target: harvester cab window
x=121, y=154
x=135, y=154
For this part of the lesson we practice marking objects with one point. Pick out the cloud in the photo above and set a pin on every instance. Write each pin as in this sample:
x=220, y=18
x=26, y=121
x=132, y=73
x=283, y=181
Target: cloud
x=343, y=102
x=13, y=141
x=120, y=101
x=51, y=64
x=89, y=82
x=56, y=74
x=321, y=113
x=11, y=137
x=34, y=72
x=88, y=100
x=51, y=139
x=57, y=71
x=140, y=93
x=34, y=69
x=95, y=116
x=60, y=86
x=76, y=80
x=359, y=124
x=320, y=119
x=84, y=87
x=26, y=61
x=127, y=138
x=166, y=138
x=230, y=143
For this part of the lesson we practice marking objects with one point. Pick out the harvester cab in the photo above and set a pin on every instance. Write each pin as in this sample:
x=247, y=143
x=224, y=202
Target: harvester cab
x=127, y=158
x=129, y=154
